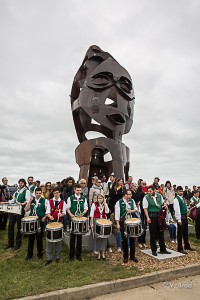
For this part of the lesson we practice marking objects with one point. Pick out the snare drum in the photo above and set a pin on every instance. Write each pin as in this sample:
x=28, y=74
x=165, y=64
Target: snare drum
x=30, y=225
x=133, y=227
x=103, y=228
x=3, y=207
x=54, y=232
x=79, y=225
x=14, y=209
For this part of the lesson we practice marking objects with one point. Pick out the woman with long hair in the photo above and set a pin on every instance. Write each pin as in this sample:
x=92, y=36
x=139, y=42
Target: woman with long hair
x=169, y=195
x=47, y=191
x=119, y=189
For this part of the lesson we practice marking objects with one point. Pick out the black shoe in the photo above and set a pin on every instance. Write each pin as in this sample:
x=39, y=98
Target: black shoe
x=28, y=257
x=71, y=258
x=154, y=253
x=80, y=259
x=7, y=247
x=183, y=251
x=125, y=260
x=57, y=260
x=40, y=257
x=135, y=259
x=190, y=249
x=16, y=247
x=48, y=262
x=104, y=258
x=165, y=252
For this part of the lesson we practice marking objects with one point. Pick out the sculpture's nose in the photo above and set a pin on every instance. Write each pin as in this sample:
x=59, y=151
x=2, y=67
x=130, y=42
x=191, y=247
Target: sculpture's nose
x=116, y=119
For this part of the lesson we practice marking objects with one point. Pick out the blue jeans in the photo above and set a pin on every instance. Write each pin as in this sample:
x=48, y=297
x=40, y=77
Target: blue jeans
x=172, y=231
x=119, y=239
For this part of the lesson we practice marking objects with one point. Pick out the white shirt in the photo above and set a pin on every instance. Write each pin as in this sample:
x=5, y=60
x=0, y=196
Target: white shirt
x=146, y=203
x=93, y=208
x=48, y=207
x=177, y=209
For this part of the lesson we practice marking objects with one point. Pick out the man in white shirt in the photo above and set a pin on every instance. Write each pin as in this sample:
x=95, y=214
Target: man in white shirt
x=123, y=208
x=76, y=206
x=180, y=209
x=20, y=197
x=152, y=204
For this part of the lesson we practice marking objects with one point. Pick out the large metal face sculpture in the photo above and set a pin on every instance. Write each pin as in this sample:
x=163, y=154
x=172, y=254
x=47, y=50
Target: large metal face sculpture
x=102, y=100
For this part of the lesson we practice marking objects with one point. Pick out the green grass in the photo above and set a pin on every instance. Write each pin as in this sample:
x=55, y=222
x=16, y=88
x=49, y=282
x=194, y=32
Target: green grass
x=19, y=278
x=192, y=238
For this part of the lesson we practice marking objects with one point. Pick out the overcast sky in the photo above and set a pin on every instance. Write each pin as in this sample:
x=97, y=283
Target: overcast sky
x=43, y=44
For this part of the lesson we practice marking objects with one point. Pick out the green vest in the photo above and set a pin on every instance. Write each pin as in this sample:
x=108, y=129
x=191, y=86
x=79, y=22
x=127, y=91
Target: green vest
x=77, y=205
x=183, y=207
x=40, y=210
x=196, y=202
x=152, y=207
x=32, y=189
x=122, y=206
x=21, y=197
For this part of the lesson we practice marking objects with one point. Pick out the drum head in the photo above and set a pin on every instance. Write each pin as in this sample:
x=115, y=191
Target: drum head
x=132, y=221
x=54, y=225
x=104, y=222
x=79, y=219
x=30, y=218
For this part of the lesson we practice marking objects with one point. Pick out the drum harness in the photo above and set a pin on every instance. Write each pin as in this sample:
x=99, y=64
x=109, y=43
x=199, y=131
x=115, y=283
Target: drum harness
x=78, y=210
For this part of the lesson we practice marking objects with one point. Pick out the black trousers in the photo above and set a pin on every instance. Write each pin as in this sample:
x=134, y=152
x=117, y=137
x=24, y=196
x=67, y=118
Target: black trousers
x=182, y=233
x=13, y=219
x=75, y=239
x=39, y=239
x=125, y=243
x=171, y=209
x=3, y=220
x=156, y=234
x=197, y=226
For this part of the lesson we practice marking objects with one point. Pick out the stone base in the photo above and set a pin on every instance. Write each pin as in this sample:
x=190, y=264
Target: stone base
x=163, y=256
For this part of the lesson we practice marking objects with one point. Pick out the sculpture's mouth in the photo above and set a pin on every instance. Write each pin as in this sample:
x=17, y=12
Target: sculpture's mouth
x=116, y=119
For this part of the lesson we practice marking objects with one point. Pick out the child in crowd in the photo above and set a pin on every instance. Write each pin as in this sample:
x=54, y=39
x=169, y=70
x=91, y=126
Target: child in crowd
x=171, y=226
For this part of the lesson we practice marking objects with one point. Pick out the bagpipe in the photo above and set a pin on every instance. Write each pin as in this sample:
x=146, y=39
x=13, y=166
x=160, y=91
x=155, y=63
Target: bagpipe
x=192, y=215
x=161, y=218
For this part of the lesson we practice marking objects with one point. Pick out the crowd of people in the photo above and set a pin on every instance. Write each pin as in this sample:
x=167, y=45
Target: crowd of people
x=157, y=206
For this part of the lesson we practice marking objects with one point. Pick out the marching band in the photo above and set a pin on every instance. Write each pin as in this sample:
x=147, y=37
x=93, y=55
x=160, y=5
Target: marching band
x=34, y=214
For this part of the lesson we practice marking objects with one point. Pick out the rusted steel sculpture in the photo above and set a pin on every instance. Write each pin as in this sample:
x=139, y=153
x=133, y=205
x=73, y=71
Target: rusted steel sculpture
x=102, y=100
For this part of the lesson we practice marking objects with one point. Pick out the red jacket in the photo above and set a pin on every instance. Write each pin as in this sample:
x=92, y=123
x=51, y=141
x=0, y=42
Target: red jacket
x=54, y=212
x=97, y=212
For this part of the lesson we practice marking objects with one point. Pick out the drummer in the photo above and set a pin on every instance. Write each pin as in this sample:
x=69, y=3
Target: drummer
x=124, y=209
x=36, y=206
x=76, y=206
x=55, y=211
x=20, y=197
x=99, y=209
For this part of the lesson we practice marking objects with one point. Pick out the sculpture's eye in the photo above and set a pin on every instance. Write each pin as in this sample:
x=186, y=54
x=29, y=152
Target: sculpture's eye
x=125, y=85
x=101, y=79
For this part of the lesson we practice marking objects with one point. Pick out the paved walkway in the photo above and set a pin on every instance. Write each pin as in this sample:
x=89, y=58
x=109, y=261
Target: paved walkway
x=184, y=288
